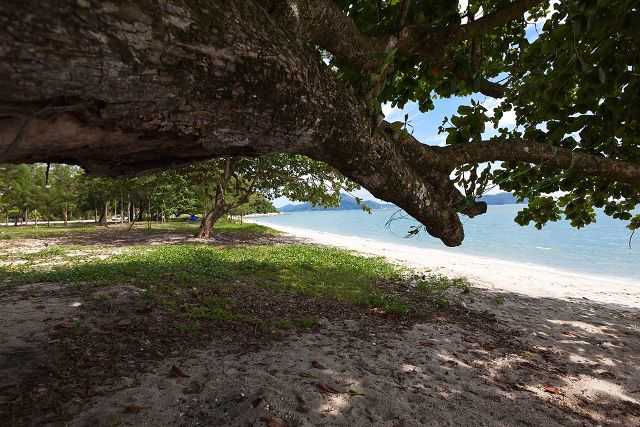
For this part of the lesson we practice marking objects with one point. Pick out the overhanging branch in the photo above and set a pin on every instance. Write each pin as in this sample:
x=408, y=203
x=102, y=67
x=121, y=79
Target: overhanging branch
x=538, y=153
x=490, y=21
x=430, y=44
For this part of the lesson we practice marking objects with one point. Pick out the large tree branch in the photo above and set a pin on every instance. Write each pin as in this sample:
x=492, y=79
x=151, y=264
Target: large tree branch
x=323, y=23
x=488, y=88
x=431, y=44
x=490, y=21
x=560, y=158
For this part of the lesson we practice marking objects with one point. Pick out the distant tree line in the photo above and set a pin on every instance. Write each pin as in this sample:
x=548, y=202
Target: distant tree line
x=211, y=190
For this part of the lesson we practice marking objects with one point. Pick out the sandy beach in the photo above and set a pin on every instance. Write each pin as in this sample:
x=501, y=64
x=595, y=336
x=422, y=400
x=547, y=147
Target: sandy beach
x=491, y=273
x=526, y=346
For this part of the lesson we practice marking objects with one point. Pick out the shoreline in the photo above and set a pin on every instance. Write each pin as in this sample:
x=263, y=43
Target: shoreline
x=486, y=272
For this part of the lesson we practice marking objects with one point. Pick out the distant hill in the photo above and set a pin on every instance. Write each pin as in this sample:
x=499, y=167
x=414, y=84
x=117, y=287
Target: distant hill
x=346, y=203
x=499, y=199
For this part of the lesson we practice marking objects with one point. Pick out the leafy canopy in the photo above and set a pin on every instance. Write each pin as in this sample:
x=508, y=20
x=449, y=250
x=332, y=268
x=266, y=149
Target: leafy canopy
x=574, y=84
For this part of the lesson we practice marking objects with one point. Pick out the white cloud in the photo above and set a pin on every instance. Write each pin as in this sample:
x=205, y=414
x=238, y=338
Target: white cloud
x=387, y=109
x=508, y=119
x=437, y=139
x=539, y=23
x=393, y=114
x=462, y=10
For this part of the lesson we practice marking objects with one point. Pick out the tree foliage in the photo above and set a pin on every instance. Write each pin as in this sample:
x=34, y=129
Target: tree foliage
x=242, y=185
x=574, y=84
x=194, y=189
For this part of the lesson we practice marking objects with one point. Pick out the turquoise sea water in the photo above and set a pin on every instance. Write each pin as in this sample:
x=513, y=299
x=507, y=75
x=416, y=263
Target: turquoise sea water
x=601, y=248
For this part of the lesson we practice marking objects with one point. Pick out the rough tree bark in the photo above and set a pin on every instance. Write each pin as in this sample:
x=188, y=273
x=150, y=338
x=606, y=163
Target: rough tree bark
x=126, y=86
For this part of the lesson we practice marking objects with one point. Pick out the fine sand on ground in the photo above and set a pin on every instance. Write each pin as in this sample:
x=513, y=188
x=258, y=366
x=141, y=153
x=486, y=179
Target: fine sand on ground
x=525, y=349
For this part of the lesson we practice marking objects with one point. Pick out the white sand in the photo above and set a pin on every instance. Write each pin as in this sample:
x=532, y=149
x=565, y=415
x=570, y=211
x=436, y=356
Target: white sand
x=491, y=273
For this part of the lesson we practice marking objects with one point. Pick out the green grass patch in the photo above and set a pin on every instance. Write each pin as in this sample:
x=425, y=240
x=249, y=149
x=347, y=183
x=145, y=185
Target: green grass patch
x=211, y=308
x=247, y=229
x=48, y=252
x=436, y=287
x=42, y=231
x=303, y=269
x=59, y=230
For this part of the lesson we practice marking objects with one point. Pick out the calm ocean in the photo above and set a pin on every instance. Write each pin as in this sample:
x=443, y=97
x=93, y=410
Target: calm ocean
x=601, y=248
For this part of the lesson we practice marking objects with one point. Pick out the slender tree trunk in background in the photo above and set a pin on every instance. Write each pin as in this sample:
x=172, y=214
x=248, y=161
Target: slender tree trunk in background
x=208, y=222
x=219, y=206
x=65, y=213
x=135, y=219
x=107, y=211
x=103, y=215
x=26, y=216
x=95, y=213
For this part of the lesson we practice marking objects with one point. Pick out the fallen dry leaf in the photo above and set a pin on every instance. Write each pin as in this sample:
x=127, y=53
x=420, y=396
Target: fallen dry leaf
x=176, y=372
x=317, y=365
x=133, y=409
x=553, y=390
x=274, y=422
x=325, y=388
